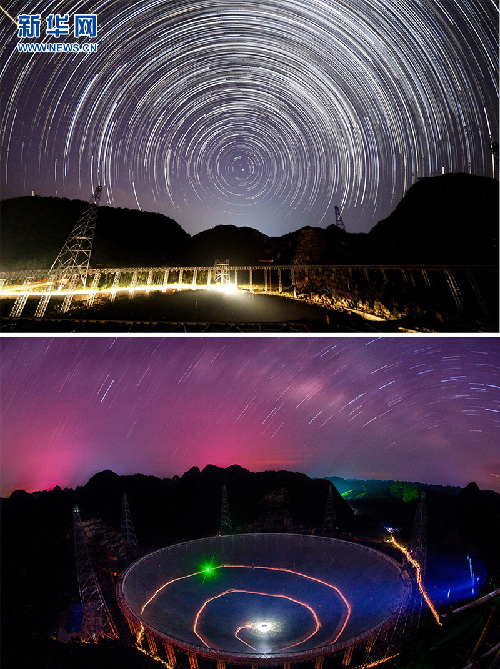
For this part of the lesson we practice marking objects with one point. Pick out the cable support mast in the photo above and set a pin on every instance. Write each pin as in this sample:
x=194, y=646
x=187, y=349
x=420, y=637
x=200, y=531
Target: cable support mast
x=97, y=621
x=225, y=522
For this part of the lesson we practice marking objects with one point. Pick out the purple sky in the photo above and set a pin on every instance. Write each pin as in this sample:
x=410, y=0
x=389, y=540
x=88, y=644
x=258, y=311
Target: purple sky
x=419, y=409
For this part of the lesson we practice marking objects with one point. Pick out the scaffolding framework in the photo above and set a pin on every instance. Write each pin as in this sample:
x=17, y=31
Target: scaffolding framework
x=73, y=283
x=44, y=300
x=93, y=289
x=222, y=272
x=21, y=299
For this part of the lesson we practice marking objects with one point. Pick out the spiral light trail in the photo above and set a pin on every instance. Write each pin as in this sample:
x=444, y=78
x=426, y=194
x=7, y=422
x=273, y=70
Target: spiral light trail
x=255, y=113
x=317, y=624
x=313, y=613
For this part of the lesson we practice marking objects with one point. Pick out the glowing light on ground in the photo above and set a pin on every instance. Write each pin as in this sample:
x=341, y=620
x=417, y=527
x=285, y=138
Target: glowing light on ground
x=377, y=662
x=154, y=657
x=14, y=291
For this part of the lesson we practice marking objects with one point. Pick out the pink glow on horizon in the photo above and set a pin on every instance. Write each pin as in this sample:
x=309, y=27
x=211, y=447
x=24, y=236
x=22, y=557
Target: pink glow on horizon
x=388, y=408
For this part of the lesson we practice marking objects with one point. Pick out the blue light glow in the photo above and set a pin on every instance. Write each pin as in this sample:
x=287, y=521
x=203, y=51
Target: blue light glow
x=452, y=579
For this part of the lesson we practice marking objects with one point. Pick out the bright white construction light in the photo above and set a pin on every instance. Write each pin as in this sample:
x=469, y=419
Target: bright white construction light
x=224, y=288
x=263, y=627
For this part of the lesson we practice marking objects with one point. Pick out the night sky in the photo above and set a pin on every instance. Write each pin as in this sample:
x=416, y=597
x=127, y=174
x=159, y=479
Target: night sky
x=418, y=409
x=266, y=114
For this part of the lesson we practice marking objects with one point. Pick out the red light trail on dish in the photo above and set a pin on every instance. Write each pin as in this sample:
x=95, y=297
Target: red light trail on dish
x=243, y=627
x=249, y=625
x=277, y=569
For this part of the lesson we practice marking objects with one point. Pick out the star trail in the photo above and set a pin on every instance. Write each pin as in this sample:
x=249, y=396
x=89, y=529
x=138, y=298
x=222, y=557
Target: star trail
x=265, y=114
x=412, y=409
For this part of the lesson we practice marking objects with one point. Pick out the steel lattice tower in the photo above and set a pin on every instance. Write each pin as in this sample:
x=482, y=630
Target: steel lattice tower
x=225, y=520
x=97, y=621
x=74, y=257
x=330, y=522
x=342, y=243
x=417, y=548
x=127, y=528
x=338, y=219
x=418, y=542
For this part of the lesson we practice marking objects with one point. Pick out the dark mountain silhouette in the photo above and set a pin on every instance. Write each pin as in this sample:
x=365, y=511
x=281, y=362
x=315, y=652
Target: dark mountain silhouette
x=35, y=228
x=130, y=238
x=189, y=506
x=450, y=219
x=240, y=245
x=447, y=219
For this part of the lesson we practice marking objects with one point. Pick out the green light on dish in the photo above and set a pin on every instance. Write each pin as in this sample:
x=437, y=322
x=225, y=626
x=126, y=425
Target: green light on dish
x=207, y=569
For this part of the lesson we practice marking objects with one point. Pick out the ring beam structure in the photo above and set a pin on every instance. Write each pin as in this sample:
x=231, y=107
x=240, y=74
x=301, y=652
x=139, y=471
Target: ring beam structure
x=263, y=598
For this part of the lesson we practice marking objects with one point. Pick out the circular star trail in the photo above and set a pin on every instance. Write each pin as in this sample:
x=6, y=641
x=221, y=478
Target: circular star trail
x=408, y=409
x=265, y=114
